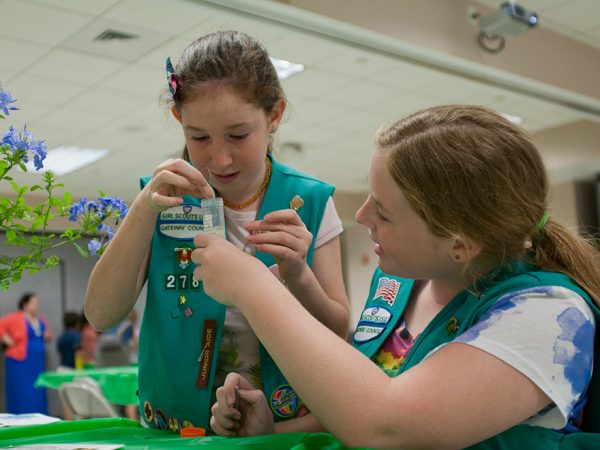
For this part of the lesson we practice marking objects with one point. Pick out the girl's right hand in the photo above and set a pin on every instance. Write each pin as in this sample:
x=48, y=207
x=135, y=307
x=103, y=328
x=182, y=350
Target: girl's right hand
x=251, y=415
x=172, y=180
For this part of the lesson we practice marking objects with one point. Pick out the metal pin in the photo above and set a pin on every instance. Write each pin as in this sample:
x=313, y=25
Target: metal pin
x=296, y=203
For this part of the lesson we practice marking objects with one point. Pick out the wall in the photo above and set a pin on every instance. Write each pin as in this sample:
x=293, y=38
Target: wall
x=444, y=26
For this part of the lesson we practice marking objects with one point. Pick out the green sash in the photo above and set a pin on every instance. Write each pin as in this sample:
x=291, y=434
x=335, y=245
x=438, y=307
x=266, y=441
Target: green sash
x=173, y=329
x=387, y=299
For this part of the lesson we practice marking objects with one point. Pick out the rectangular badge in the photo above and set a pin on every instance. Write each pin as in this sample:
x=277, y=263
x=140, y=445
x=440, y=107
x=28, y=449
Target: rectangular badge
x=205, y=358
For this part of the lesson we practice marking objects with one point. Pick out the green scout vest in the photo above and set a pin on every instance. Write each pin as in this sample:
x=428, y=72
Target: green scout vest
x=175, y=325
x=387, y=299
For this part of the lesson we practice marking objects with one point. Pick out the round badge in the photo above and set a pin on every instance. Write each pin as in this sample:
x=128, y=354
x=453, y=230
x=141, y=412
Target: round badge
x=160, y=419
x=173, y=424
x=284, y=401
x=148, y=413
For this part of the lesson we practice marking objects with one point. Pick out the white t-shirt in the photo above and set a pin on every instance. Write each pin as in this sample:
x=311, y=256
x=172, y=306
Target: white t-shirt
x=546, y=333
x=239, y=350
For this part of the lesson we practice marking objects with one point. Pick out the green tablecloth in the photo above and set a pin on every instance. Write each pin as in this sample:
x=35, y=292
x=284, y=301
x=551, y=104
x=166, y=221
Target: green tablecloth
x=133, y=436
x=119, y=383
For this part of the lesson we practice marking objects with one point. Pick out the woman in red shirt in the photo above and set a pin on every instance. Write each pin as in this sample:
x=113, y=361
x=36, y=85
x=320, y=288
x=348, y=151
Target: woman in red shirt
x=25, y=332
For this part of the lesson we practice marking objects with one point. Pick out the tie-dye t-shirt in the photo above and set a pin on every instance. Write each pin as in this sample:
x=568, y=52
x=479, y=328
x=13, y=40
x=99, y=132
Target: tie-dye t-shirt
x=546, y=333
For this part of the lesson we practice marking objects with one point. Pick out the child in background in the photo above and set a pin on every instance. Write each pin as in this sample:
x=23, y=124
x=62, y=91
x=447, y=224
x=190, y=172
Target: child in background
x=85, y=358
x=70, y=339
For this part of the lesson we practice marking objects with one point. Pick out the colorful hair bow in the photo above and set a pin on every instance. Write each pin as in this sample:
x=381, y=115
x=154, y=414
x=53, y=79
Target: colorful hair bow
x=171, y=78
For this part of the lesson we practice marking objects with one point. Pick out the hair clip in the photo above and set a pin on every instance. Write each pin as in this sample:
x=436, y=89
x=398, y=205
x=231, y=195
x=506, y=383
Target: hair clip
x=171, y=78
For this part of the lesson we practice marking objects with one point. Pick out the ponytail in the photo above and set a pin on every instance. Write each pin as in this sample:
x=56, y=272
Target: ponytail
x=558, y=249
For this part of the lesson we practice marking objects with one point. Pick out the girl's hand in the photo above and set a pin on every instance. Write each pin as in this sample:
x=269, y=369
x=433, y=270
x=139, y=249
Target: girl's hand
x=283, y=235
x=245, y=414
x=227, y=273
x=172, y=180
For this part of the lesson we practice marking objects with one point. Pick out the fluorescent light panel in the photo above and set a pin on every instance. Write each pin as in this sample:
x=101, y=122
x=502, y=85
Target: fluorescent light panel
x=64, y=160
x=286, y=69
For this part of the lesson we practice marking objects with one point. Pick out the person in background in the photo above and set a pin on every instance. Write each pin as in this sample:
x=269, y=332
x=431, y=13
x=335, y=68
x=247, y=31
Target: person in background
x=85, y=358
x=25, y=333
x=226, y=95
x=480, y=325
x=70, y=339
x=127, y=334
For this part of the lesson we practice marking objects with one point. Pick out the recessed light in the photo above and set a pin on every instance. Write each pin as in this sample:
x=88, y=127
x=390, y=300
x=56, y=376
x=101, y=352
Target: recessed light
x=64, y=160
x=513, y=119
x=286, y=69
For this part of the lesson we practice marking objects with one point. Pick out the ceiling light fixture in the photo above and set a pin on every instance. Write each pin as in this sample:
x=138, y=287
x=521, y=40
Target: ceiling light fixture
x=513, y=119
x=64, y=160
x=286, y=69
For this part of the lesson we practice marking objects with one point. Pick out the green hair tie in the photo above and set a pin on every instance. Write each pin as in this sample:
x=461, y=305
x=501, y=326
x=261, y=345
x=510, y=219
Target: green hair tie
x=540, y=225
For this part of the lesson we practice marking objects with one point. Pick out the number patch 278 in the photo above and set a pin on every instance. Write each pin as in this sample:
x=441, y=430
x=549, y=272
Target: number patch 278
x=181, y=282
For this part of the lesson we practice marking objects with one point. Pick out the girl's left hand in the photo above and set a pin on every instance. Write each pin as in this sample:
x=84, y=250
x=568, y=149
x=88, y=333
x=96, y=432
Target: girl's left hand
x=283, y=235
x=226, y=271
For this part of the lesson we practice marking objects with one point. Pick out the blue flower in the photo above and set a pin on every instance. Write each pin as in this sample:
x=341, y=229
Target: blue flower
x=38, y=149
x=93, y=246
x=77, y=209
x=5, y=100
x=23, y=141
x=110, y=232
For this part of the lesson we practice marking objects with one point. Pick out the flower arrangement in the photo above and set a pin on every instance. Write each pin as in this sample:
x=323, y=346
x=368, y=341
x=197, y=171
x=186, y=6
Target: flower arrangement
x=26, y=226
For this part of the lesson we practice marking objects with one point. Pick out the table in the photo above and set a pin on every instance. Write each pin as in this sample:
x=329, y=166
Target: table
x=133, y=436
x=119, y=384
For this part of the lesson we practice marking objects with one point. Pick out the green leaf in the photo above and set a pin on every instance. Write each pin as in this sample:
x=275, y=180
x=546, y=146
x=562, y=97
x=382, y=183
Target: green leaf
x=11, y=236
x=81, y=250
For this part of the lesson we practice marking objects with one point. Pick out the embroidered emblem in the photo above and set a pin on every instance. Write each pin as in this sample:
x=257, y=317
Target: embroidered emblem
x=284, y=401
x=376, y=315
x=148, y=413
x=173, y=424
x=452, y=326
x=182, y=300
x=365, y=333
x=175, y=313
x=183, y=222
x=387, y=290
x=186, y=424
x=160, y=419
x=187, y=311
x=184, y=257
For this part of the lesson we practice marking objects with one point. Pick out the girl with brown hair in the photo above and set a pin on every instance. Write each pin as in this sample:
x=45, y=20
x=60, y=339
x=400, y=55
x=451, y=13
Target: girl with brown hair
x=226, y=95
x=479, y=328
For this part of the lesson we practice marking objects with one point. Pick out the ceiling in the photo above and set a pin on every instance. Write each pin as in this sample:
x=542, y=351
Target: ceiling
x=73, y=90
